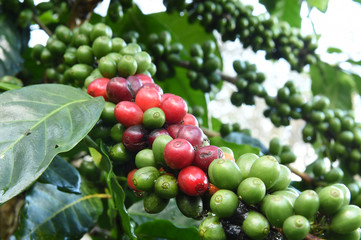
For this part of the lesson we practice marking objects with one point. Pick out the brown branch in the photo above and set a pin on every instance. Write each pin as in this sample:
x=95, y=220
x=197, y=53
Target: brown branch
x=42, y=26
x=305, y=177
x=81, y=10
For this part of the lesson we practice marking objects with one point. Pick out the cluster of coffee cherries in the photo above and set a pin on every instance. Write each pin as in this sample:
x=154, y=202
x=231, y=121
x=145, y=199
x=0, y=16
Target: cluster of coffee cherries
x=233, y=20
x=248, y=83
x=255, y=201
x=283, y=153
x=87, y=52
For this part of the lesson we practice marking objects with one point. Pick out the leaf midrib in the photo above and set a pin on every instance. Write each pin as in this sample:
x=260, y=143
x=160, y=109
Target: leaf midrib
x=43, y=119
x=98, y=195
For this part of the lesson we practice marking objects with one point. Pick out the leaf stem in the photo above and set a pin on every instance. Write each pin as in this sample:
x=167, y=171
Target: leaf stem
x=42, y=26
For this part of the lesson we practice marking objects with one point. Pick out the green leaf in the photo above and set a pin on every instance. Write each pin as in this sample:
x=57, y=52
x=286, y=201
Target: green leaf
x=334, y=50
x=63, y=175
x=334, y=83
x=270, y=5
x=170, y=213
x=118, y=196
x=241, y=138
x=37, y=123
x=12, y=42
x=319, y=4
x=288, y=11
x=166, y=230
x=52, y=214
x=354, y=62
x=238, y=149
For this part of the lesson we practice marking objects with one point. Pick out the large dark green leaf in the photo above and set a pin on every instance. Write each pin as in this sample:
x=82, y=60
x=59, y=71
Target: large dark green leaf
x=238, y=149
x=170, y=213
x=37, y=123
x=288, y=11
x=52, y=214
x=63, y=175
x=12, y=41
x=319, y=4
x=334, y=83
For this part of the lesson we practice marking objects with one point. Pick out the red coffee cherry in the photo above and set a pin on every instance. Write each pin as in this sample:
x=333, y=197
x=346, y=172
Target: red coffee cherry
x=193, y=181
x=98, y=87
x=118, y=90
x=147, y=98
x=174, y=108
x=178, y=153
x=128, y=113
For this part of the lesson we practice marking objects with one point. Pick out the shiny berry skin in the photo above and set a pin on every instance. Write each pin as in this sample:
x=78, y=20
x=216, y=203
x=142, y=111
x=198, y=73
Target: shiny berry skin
x=154, y=134
x=118, y=90
x=174, y=108
x=178, y=153
x=173, y=130
x=147, y=98
x=128, y=113
x=193, y=181
x=135, y=84
x=190, y=119
x=98, y=87
x=154, y=86
x=130, y=179
x=144, y=78
x=192, y=134
x=205, y=155
x=135, y=138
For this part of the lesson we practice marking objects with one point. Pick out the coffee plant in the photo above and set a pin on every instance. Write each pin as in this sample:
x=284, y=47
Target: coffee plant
x=105, y=131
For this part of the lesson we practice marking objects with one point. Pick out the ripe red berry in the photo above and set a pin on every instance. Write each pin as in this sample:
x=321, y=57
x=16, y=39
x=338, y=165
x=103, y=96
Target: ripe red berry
x=173, y=130
x=98, y=87
x=205, y=155
x=154, y=86
x=130, y=179
x=174, y=108
x=193, y=181
x=144, y=78
x=128, y=113
x=192, y=134
x=190, y=119
x=147, y=98
x=154, y=134
x=135, y=84
x=178, y=153
x=135, y=138
x=118, y=90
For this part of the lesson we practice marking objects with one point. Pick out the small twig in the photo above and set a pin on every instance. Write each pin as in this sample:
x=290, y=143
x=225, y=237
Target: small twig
x=42, y=26
x=210, y=133
x=305, y=177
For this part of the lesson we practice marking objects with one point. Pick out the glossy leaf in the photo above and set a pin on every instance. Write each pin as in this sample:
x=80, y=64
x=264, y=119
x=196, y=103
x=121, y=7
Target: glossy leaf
x=238, y=149
x=334, y=83
x=164, y=229
x=319, y=4
x=170, y=213
x=37, y=123
x=52, y=214
x=63, y=175
x=10, y=46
